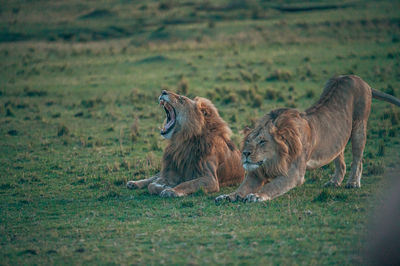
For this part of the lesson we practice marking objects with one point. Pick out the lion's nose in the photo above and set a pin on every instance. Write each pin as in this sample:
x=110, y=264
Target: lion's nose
x=164, y=92
x=246, y=154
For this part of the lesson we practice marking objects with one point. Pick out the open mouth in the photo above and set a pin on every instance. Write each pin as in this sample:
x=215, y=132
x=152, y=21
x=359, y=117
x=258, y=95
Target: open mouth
x=170, y=121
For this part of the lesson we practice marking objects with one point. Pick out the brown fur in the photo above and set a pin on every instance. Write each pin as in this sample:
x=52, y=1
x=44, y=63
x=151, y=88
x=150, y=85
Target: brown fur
x=199, y=155
x=286, y=142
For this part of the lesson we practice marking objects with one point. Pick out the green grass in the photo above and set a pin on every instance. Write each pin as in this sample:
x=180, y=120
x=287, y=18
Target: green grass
x=79, y=118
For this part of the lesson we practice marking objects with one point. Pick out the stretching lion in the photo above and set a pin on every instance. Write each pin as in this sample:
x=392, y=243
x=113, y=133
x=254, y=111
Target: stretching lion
x=199, y=155
x=286, y=142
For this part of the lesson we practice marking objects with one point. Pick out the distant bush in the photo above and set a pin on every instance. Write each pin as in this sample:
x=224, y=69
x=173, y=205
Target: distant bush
x=211, y=24
x=90, y=103
x=249, y=76
x=251, y=121
x=292, y=104
x=245, y=75
x=230, y=98
x=256, y=76
x=280, y=75
x=211, y=95
x=183, y=86
x=12, y=132
x=248, y=93
x=165, y=5
x=271, y=94
x=9, y=112
x=234, y=118
x=32, y=93
x=257, y=101
x=393, y=132
x=309, y=73
x=223, y=91
x=227, y=76
x=62, y=131
x=310, y=94
x=137, y=95
x=143, y=7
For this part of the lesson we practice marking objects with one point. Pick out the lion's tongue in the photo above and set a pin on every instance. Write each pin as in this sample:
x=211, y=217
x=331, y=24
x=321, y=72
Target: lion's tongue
x=168, y=124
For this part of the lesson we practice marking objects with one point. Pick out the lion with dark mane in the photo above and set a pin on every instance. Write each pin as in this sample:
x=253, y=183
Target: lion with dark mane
x=200, y=154
x=286, y=142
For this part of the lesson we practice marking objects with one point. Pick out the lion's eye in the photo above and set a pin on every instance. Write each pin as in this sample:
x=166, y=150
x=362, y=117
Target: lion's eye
x=262, y=142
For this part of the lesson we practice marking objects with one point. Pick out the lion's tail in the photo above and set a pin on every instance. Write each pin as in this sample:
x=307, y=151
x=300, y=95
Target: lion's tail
x=385, y=97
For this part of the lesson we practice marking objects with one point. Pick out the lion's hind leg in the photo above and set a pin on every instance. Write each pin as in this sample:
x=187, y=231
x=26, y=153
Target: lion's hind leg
x=358, y=139
x=205, y=183
x=208, y=182
x=340, y=170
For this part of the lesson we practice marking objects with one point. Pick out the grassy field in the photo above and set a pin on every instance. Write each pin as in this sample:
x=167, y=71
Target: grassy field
x=79, y=118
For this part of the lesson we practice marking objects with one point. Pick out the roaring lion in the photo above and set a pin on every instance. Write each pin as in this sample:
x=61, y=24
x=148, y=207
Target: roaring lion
x=286, y=142
x=200, y=153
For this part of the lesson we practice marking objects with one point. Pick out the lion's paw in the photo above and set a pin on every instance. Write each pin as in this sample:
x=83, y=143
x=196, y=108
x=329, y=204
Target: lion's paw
x=222, y=198
x=353, y=185
x=132, y=185
x=254, y=197
x=168, y=193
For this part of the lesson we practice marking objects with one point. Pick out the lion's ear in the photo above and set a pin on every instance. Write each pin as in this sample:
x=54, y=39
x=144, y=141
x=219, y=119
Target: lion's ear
x=203, y=105
x=246, y=130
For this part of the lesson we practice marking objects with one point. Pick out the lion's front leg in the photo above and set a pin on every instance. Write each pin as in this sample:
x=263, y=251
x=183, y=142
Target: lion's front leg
x=273, y=189
x=138, y=184
x=251, y=184
x=278, y=186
